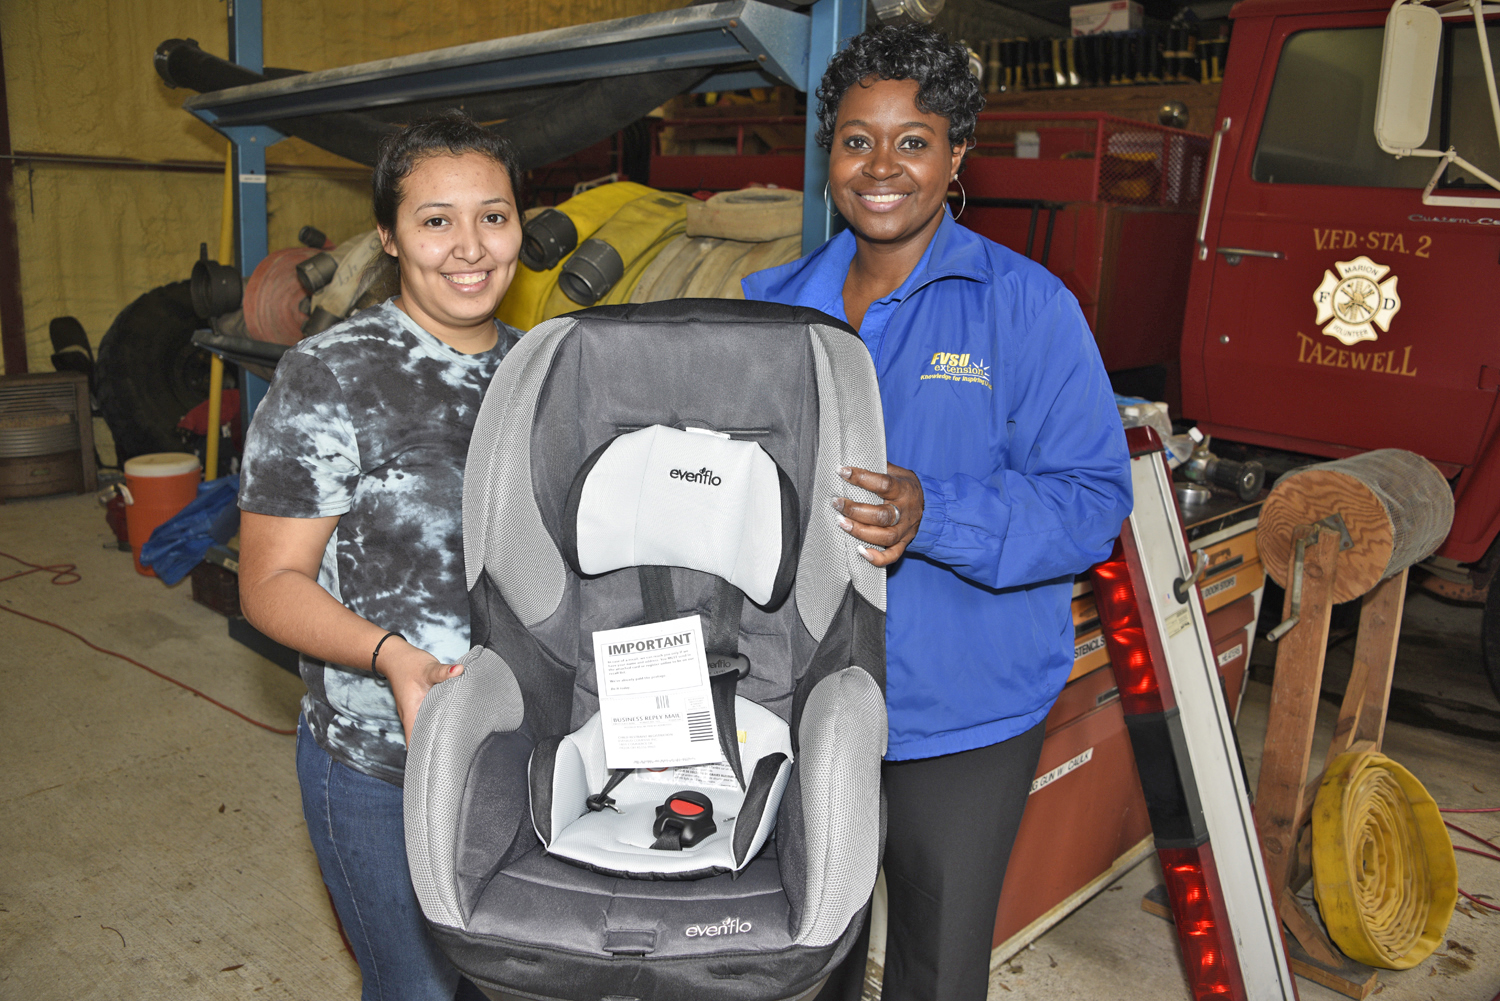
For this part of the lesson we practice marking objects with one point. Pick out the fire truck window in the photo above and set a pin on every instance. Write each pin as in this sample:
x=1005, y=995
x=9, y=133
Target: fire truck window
x=1320, y=120
x=1470, y=125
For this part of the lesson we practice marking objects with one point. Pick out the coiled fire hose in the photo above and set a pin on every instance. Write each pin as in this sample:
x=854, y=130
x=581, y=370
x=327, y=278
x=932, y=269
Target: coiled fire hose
x=1383, y=866
x=524, y=303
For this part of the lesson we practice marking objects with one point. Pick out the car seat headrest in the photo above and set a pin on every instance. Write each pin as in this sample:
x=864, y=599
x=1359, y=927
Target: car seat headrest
x=661, y=496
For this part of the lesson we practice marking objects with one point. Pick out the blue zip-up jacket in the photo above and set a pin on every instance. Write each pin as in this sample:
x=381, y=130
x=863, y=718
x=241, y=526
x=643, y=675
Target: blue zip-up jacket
x=995, y=396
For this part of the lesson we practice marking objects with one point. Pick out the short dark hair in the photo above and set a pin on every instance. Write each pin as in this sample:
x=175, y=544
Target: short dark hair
x=452, y=133
x=917, y=52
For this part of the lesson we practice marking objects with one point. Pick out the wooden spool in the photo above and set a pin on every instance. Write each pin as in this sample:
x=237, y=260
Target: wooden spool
x=1395, y=504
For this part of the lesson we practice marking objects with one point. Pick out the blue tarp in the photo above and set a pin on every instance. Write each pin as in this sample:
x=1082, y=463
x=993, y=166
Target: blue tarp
x=178, y=544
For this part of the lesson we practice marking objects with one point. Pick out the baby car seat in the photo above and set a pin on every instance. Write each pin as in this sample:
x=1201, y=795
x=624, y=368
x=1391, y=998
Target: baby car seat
x=590, y=504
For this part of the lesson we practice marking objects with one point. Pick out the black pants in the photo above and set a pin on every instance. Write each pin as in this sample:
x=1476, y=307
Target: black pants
x=951, y=823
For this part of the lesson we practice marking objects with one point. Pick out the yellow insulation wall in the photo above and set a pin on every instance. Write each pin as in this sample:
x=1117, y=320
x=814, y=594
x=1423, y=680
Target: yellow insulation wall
x=79, y=81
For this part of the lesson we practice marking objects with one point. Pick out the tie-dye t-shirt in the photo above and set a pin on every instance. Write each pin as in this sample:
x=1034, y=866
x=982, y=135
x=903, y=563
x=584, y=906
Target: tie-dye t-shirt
x=370, y=420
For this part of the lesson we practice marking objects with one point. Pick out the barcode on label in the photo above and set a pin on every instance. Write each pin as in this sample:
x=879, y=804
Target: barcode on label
x=700, y=726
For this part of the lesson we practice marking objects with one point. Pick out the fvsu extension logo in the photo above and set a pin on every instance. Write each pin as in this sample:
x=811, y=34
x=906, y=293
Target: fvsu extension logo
x=952, y=367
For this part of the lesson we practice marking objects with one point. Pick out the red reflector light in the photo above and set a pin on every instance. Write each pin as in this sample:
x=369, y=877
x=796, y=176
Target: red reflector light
x=1202, y=924
x=1125, y=636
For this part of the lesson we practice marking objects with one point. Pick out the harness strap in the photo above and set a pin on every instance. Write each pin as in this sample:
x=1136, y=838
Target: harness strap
x=726, y=667
x=670, y=840
x=657, y=596
x=660, y=603
x=721, y=641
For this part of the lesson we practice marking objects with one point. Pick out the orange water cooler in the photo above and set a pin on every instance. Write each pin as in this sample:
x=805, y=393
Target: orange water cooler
x=157, y=486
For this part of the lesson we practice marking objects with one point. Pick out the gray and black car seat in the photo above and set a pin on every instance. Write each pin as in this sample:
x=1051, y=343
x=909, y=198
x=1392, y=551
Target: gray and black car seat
x=639, y=464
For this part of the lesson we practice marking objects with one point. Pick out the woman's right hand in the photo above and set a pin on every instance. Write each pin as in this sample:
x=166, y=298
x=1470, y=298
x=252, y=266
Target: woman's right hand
x=412, y=673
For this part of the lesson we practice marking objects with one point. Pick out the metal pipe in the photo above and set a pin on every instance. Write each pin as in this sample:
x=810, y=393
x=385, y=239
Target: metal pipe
x=1297, y=563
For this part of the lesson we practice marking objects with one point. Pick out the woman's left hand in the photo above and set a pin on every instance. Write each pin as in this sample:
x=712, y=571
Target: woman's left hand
x=892, y=524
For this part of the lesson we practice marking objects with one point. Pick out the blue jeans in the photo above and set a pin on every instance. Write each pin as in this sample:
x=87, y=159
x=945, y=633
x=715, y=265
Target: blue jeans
x=359, y=834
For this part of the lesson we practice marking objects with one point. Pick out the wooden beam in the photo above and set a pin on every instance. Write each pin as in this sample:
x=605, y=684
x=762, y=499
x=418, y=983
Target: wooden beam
x=1375, y=656
x=12, y=316
x=1294, y=708
x=1349, y=978
x=1306, y=930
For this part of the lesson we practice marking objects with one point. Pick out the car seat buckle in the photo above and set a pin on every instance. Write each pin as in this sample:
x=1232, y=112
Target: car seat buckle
x=602, y=800
x=685, y=819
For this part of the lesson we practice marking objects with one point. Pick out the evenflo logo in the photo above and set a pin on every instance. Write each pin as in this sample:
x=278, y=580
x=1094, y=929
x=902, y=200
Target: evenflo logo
x=729, y=926
x=704, y=476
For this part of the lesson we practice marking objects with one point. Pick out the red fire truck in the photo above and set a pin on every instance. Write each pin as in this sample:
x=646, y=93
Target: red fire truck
x=1299, y=291
x=1340, y=297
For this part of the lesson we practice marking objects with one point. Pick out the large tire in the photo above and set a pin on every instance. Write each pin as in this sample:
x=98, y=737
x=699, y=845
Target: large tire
x=149, y=372
x=1490, y=637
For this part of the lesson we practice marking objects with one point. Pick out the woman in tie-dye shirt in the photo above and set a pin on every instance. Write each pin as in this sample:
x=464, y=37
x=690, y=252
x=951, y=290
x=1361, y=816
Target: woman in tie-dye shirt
x=351, y=537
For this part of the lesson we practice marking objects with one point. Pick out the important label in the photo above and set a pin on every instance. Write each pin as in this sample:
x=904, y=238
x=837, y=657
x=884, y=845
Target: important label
x=1072, y=764
x=1228, y=656
x=655, y=704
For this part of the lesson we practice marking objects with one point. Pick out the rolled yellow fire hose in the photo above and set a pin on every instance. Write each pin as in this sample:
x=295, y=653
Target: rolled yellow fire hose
x=1383, y=868
x=529, y=290
x=638, y=267
x=633, y=236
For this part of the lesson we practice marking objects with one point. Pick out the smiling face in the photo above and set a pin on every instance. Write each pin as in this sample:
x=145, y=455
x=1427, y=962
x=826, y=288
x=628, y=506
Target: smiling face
x=891, y=164
x=457, y=237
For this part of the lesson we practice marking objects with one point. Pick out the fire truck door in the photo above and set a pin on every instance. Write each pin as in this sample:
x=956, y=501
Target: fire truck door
x=1342, y=311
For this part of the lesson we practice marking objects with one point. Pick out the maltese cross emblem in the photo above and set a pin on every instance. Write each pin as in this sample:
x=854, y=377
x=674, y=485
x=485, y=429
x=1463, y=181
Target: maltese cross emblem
x=1353, y=302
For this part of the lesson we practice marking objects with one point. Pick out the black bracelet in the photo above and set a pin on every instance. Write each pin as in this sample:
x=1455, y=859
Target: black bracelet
x=381, y=644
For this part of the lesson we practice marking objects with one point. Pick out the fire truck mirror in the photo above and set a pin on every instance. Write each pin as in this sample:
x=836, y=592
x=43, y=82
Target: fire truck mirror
x=1408, y=72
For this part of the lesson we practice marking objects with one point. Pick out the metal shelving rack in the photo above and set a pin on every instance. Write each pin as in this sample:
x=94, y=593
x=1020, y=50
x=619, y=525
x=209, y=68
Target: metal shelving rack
x=784, y=47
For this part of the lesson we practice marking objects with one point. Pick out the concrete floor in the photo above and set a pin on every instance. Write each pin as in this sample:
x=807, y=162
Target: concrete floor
x=1110, y=948
x=152, y=845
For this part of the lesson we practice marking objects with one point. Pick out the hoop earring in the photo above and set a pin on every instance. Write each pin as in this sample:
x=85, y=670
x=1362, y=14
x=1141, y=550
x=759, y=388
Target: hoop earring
x=826, y=203
x=964, y=195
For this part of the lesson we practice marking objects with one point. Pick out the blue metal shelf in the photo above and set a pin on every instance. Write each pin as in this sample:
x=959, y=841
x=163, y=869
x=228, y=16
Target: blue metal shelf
x=746, y=43
x=731, y=33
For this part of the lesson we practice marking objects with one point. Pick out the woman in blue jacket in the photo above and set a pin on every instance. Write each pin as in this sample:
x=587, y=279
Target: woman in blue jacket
x=1008, y=476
